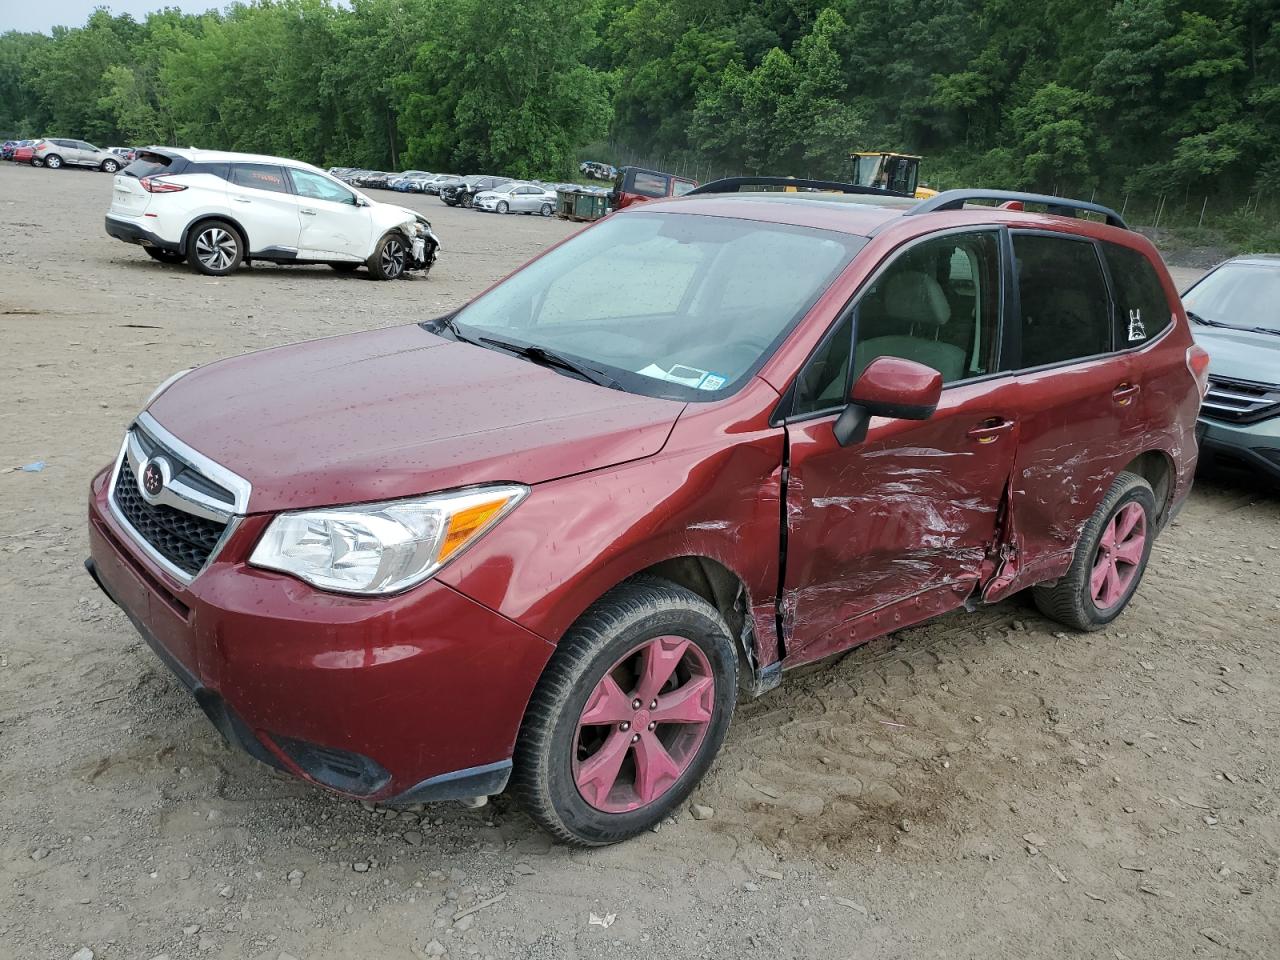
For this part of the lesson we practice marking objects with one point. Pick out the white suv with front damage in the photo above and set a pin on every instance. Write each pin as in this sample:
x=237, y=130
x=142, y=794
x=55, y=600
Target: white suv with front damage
x=217, y=210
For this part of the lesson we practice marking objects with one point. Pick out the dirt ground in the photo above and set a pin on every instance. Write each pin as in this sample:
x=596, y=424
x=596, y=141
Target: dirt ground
x=983, y=786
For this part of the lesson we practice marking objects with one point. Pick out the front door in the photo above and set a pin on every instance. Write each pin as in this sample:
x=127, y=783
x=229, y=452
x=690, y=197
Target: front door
x=332, y=223
x=901, y=526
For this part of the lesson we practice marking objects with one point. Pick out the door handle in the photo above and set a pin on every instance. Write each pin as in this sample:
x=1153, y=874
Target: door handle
x=242, y=200
x=989, y=430
x=1124, y=394
x=307, y=213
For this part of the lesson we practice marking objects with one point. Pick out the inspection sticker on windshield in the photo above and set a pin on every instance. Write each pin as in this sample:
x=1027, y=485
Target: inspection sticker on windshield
x=712, y=381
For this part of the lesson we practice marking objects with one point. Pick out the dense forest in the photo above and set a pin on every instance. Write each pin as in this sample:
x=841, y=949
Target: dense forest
x=1152, y=97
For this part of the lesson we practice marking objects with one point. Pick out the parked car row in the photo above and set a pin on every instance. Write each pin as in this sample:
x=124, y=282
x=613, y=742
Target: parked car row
x=58, y=152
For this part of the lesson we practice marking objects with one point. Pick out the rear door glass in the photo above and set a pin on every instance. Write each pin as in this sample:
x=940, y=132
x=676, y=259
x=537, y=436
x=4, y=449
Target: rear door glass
x=649, y=185
x=1066, y=309
x=1142, y=309
x=260, y=176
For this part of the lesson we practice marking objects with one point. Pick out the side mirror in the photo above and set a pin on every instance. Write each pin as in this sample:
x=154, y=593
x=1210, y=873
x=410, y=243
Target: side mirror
x=362, y=202
x=889, y=387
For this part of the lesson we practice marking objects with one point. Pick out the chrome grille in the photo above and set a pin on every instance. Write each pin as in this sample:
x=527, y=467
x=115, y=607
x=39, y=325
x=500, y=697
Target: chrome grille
x=1240, y=401
x=182, y=522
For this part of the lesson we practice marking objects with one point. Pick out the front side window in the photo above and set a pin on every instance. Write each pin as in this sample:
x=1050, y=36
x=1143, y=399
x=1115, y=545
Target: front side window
x=938, y=304
x=1066, y=311
x=1142, y=309
x=259, y=176
x=671, y=305
x=316, y=187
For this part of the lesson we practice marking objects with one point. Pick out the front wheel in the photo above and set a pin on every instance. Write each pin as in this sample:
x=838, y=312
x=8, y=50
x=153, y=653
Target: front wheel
x=37, y=162
x=389, y=258
x=1110, y=559
x=503, y=207
x=628, y=715
x=110, y=166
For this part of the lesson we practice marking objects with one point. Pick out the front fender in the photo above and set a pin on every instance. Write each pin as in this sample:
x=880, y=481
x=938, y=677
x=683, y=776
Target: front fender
x=575, y=538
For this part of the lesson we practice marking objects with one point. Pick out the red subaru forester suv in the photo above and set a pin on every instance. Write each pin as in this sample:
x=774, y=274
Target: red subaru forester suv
x=546, y=542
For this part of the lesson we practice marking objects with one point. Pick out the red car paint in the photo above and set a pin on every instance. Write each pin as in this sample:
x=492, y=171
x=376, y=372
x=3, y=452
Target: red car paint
x=24, y=154
x=829, y=545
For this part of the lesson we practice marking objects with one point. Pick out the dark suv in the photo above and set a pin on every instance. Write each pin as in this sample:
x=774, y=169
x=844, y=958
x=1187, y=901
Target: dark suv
x=546, y=542
x=463, y=193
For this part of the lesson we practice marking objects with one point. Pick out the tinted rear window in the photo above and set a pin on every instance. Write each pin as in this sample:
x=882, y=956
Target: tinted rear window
x=149, y=165
x=260, y=176
x=1066, y=311
x=1141, y=304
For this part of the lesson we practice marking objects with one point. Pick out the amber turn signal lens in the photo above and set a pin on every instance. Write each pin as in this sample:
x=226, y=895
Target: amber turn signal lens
x=466, y=523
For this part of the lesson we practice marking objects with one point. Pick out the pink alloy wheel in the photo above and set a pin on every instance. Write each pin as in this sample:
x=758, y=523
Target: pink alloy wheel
x=643, y=724
x=1119, y=554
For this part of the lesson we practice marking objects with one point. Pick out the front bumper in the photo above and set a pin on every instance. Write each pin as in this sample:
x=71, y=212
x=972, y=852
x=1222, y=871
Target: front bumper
x=131, y=232
x=1254, y=445
x=400, y=699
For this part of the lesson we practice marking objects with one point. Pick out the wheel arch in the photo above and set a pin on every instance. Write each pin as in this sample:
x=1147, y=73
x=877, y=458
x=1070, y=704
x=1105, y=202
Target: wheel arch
x=202, y=218
x=1157, y=468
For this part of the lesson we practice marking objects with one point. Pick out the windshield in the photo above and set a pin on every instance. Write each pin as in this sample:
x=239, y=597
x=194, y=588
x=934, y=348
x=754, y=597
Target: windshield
x=668, y=305
x=1241, y=295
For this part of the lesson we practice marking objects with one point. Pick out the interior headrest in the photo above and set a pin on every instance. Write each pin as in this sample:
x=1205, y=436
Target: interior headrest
x=913, y=297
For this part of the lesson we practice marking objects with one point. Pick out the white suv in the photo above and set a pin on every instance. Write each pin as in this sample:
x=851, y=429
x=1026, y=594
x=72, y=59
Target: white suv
x=217, y=210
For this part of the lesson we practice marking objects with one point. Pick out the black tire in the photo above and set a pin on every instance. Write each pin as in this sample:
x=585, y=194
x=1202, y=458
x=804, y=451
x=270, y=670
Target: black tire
x=390, y=258
x=1070, y=601
x=110, y=166
x=636, y=611
x=345, y=267
x=37, y=162
x=53, y=161
x=503, y=207
x=215, y=248
x=164, y=256
x=546, y=210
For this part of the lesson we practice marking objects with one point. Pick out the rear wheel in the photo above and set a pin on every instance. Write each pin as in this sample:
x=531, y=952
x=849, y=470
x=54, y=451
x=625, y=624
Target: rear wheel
x=629, y=714
x=164, y=256
x=215, y=248
x=53, y=161
x=546, y=210
x=110, y=166
x=1110, y=559
x=389, y=257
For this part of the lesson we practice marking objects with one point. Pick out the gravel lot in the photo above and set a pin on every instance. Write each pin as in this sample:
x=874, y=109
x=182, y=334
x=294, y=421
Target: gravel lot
x=984, y=786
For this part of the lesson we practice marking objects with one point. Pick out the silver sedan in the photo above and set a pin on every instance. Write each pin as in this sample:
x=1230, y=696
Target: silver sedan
x=518, y=198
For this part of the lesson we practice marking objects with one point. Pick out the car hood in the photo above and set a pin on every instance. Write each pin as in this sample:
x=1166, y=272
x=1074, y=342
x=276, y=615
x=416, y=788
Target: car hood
x=398, y=412
x=1241, y=354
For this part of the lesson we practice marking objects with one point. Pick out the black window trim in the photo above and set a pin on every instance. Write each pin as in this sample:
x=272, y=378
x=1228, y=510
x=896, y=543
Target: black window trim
x=1018, y=368
x=782, y=415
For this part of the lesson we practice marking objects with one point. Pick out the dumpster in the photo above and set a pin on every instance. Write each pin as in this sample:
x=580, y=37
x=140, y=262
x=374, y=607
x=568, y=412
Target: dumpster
x=581, y=205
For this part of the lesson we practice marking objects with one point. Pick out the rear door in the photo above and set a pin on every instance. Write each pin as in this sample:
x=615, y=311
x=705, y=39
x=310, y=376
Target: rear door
x=332, y=223
x=1077, y=400
x=899, y=528
x=262, y=200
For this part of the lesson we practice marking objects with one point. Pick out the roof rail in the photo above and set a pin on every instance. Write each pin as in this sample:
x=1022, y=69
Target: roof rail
x=1061, y=206
x=735, y=185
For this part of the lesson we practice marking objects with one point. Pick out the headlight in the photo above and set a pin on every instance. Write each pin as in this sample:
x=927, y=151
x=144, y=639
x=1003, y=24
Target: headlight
x=166, y=385
x=380, y=548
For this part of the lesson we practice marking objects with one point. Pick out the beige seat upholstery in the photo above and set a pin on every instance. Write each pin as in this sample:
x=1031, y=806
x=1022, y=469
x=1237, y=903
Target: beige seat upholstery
x=913, y=302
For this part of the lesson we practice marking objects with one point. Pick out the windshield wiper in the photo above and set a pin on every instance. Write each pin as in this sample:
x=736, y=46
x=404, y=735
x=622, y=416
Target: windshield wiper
x=549, y=358
x=1271, y=330
x=1196, y=318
